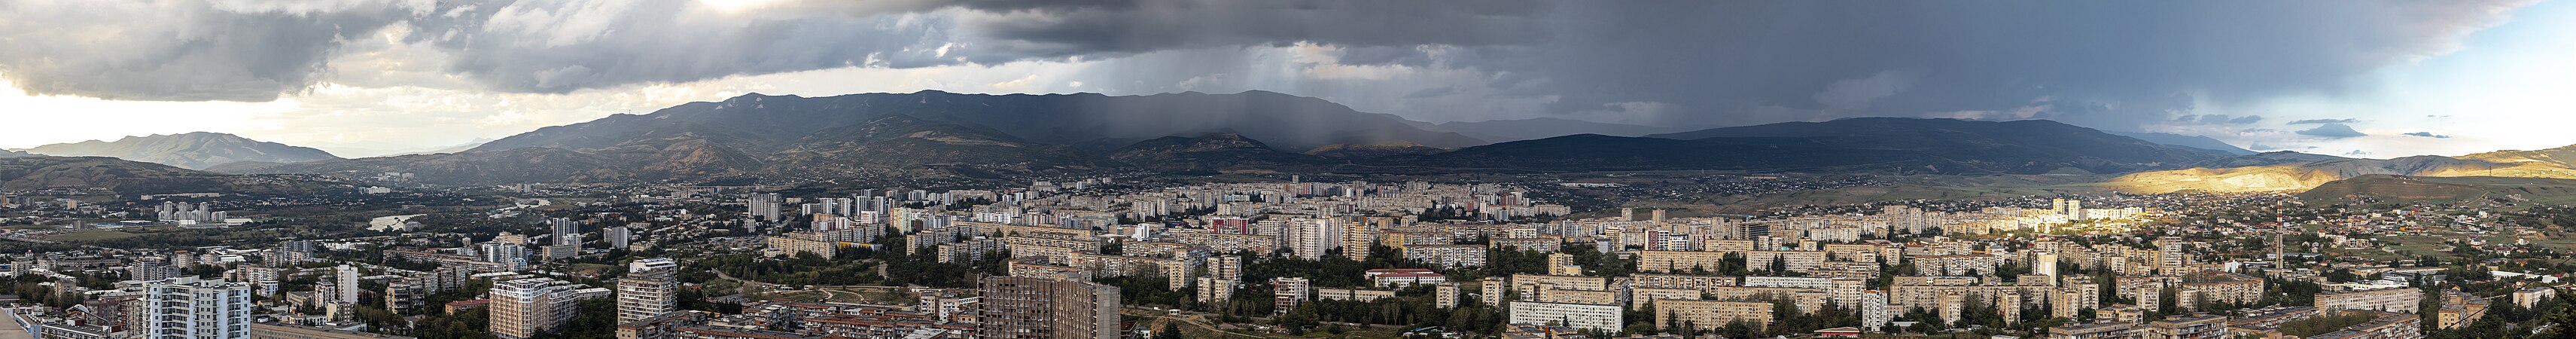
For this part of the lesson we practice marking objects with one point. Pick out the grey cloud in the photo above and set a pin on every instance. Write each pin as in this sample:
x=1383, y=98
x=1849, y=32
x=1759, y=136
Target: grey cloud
x=2219, y=119
x=2102, y=64
x=1431, y=92
x=2325, y=121
x=2111, y=65
x=1156, y=25
x=2334, y=131
x=2429, y=135
x=555, y=47
x=175, y=51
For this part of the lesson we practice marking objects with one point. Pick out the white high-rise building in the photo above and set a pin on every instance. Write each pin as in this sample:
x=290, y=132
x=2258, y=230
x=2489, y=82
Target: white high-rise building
x=506, y=254
x=764, y=206
x=1873, y=310
x=188, y=308
x=1310, y=238
x=2045, y=264
x=651, y=288
x=347, y=283
x=565, y=231
x=618, y=237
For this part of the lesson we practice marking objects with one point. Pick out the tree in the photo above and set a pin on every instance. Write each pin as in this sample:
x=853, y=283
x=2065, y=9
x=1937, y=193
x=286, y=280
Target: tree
x=1171, y=330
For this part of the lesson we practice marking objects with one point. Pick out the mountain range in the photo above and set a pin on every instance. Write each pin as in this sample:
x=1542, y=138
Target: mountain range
x=199, y=150
x=2190, y=141
x=944, y=136
x=948, y=137
x=1542, y=128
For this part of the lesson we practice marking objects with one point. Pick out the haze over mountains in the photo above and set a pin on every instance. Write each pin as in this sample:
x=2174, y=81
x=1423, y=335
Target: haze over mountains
x=200, y=150
x=1541, y=128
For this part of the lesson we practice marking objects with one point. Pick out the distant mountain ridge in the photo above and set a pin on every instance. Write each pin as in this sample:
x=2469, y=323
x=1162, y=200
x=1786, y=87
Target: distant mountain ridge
x=1967, y=146
x=2297, y=176
x=2191, y=141
x=448, y=149
x=1542, y=128
x=199, y=150
x=760, y=123
x=947, y=137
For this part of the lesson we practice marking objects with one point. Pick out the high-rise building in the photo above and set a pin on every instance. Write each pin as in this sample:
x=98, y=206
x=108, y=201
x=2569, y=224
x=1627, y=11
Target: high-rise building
x=1445, y=295
x=1873, y=310
x=347, y=283
x=565, y=231
x=2045, y=264
x=1356, y=238
x=1226, y=267
x=405, y=294
x=764, y=206
x=651, y=288
x=618, y=237
x=188, y=308
x=522, y=308
x=1047, y=308
x=507, y=254
x=1310, y=238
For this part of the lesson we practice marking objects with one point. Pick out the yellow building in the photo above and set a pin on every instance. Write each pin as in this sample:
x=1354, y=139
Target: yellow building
x=1638, y=297
x=1678, y=261
x=1562, y=264
x=794, y=245
x=1711, y=314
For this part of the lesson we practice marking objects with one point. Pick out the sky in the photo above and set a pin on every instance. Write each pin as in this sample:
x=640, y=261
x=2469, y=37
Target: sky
x=2365, y=78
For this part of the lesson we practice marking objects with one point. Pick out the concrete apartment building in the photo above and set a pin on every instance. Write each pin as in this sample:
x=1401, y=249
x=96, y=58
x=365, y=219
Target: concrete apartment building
x=2188, y=327
x=1580, y=316
x=651, y=287
x=1287, y=292
x=523, y=308
x=2402, y=300
x=188, y=308
x=1711, y=314
x=1044, y=308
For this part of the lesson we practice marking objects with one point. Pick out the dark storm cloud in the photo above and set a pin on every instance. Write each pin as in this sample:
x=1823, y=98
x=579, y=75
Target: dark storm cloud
x=1156, y=25
x=2332, y=131
x=2102, y=64
x=2429, y=135
x=220, y=50
x=2325, y=121
x=2113, y=65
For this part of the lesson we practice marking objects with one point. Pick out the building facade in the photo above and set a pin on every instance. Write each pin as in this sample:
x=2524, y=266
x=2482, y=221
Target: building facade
x=188, y=308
